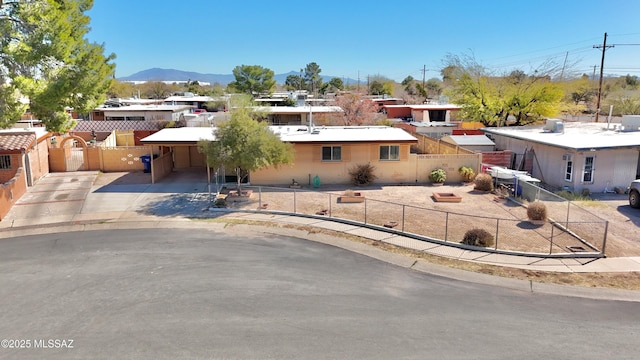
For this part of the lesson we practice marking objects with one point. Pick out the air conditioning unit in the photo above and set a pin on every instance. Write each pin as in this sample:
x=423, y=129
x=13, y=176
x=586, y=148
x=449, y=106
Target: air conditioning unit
x=630, y=123
x=550, y=125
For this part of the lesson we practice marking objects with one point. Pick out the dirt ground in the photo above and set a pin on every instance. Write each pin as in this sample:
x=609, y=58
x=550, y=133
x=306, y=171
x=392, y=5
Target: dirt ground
x=384, y=205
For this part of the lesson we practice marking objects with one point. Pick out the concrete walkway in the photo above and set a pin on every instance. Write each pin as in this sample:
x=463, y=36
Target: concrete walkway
x=90, y=200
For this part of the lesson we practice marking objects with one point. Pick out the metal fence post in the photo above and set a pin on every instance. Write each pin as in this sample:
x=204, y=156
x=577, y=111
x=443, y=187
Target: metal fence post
x=329, y=204
x=551, y=242
x=365, y=210
x=259, y=197
x=604, y=240
x=403, y=206
x=568, y=207
x=446, y=226
x=497, y=229
x=294, y=201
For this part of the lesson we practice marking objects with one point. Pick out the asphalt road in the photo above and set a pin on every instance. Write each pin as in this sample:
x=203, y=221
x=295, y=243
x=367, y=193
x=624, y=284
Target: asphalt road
x=169, y=294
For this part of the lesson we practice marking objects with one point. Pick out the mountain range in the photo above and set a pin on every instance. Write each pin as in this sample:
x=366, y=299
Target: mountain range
x=156, y=74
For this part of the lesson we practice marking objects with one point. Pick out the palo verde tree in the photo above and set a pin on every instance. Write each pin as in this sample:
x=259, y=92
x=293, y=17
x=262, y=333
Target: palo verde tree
x=493, y=100
x=245, y=144
x=45, y=58
x=253, y=80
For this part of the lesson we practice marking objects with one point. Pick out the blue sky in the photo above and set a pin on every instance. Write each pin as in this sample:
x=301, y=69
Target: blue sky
x=352, y=38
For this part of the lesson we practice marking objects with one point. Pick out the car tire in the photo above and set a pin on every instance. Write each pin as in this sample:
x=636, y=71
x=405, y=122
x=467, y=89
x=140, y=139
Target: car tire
x=634, y=199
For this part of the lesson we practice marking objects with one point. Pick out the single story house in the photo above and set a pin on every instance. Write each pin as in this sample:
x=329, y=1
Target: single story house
x=192, y=100
x=298, y=115
x=574, y=155
x=422, y=113
x=327, y=152
x=163, y=112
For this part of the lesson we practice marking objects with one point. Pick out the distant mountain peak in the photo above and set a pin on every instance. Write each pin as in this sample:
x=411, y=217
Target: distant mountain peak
x=160, y=74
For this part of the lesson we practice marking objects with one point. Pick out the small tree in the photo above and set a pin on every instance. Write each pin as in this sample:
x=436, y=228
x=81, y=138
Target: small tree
x=356, y=110
x=246, y=145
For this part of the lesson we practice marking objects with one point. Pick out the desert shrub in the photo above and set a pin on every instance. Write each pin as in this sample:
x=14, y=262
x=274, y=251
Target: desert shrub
x=537, y=211
x=483, y=182
x=467, y=173
x=220, y=203
x=478, y=237
x=438, y=176
x=362, y=174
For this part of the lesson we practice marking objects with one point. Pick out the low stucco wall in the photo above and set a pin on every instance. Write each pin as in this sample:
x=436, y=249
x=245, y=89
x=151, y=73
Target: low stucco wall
x=11, y=191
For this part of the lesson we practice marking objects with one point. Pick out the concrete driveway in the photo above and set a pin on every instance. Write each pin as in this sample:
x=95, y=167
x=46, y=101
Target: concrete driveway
x=86, y=195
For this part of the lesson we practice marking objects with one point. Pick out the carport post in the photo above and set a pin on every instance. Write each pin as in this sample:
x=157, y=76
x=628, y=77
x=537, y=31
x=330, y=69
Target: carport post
x=153, y=180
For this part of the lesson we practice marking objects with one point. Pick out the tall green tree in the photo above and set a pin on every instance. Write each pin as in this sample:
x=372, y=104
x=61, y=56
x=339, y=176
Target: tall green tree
x=312, y=77
x=244, y=144
x=45, y=58
x=379, y=85
x=253, y=80
x=294, y=82
x=334, y=85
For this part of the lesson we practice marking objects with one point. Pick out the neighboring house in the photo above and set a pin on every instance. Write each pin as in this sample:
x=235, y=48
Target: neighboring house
x=166, y=113
x=442, y=113
x=23, y=161
x=193, y=101
x=298, y=115
x=435, y=130
x=24, y=148
x=477, y=143
x=574, y=156
x=102, y=129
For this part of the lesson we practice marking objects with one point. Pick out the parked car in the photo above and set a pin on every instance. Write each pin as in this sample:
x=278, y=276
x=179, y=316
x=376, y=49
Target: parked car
x=199, y=111
x=634, y=194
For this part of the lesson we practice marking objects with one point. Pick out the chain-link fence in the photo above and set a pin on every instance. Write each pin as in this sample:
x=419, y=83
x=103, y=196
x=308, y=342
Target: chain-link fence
x=570, y=229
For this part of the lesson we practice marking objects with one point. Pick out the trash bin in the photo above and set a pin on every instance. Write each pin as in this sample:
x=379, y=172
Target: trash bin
x=146, y=161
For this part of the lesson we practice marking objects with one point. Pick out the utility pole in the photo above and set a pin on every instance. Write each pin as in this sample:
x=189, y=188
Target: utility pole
x=424, y=72
x=604, y=48
x=563, y=66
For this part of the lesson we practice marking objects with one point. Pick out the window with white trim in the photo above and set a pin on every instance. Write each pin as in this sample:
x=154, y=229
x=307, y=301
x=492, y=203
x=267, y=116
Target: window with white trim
x=588, y=169
x=331, y=153
x=5, y=162
x=568, y=167
x=389, y=152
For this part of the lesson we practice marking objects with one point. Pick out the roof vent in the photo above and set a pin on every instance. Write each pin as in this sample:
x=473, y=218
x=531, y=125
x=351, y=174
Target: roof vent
x=315, y=131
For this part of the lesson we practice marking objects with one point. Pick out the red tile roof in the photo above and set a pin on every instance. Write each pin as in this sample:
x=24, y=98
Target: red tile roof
x=13, y=142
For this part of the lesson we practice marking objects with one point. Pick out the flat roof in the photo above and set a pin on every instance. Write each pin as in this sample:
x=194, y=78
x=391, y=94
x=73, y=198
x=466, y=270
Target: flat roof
x=140, y=107
x=471, y=139
x=577, y=136
x=187, y=135
x=190, y=98
x=299, y=109
x=293, y=134
x=427, y=106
